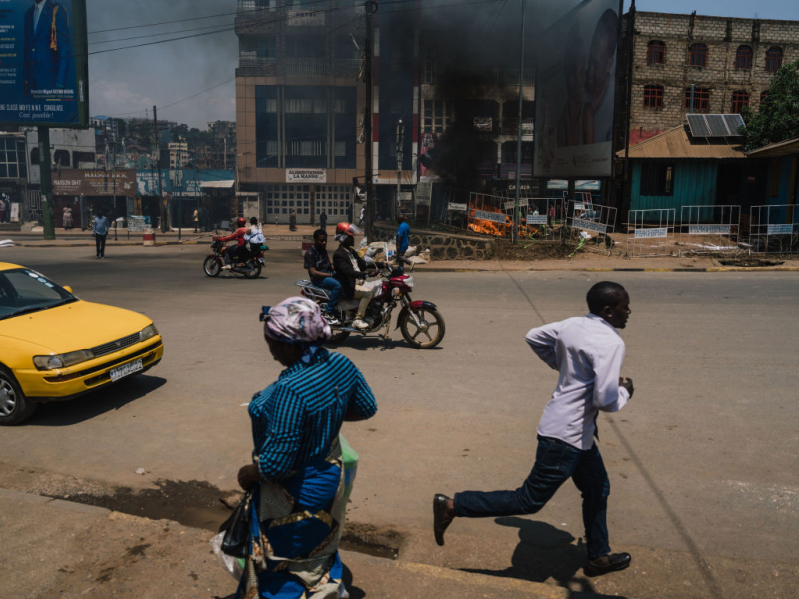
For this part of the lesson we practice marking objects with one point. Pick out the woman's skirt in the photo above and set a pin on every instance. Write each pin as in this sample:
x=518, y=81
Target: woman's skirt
x=294, y=533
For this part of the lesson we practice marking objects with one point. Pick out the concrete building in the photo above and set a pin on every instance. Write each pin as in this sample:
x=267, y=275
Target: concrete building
x=299, y=107
x=728, y=61
x=178, y=154
x=13, y=170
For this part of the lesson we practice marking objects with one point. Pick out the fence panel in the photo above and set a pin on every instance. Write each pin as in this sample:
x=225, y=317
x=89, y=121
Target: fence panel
x=774, y=229
x=487, y=215
x=592, y=218
x=651, y=232
x=707, y=229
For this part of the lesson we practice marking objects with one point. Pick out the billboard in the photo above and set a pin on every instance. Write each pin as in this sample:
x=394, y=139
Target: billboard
x=43, y=63
x=94, y=182
x=575, y=92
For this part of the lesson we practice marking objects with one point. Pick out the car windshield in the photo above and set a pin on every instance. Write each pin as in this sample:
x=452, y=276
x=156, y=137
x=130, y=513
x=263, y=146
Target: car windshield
x=23, y=291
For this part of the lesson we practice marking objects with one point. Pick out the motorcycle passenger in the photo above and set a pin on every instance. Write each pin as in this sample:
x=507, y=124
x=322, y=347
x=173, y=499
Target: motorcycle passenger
x=320, y=270
x=233, y=254
x=255, y=237
x=350, y=269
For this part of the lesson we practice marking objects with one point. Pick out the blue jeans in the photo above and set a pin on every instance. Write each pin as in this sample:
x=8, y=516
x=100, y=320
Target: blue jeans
x=333, y=288
x=555, y=462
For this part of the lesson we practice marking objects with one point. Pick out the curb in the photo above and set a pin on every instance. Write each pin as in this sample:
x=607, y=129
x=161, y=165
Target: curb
x=509, y=585
x=697, y=270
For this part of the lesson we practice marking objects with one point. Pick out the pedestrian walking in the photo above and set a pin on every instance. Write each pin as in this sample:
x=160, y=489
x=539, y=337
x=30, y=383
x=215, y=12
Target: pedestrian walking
x=323, y=220
x=292, y=221
x=362, y=217
x=196, y=218
x=403, y=238
x=588, y=353
x=297, y=478
x=66, y=218
x=100, y=231
x=3, y=208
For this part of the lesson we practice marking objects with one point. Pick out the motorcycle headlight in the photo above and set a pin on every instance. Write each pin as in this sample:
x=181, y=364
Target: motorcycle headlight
x=148, y=332
x=62, y=360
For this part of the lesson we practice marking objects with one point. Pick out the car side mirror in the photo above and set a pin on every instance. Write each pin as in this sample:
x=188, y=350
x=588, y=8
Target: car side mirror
x=67, y=288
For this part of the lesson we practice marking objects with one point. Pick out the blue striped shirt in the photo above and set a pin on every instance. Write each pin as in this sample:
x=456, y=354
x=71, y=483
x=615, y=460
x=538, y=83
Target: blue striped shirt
x=295, y=419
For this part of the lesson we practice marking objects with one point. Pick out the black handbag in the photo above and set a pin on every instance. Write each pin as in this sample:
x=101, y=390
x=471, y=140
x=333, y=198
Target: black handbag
x=237, y=529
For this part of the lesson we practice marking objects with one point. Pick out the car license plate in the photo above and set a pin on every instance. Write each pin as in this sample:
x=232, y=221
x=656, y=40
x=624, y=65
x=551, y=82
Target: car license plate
x=125, y=370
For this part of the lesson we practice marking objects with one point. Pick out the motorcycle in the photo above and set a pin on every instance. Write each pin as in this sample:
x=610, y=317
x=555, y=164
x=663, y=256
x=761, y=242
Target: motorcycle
x=251, y=267
x=420, y=322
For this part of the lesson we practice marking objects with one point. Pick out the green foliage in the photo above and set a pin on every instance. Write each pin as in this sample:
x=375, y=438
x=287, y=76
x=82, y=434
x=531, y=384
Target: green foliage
x=778, y=117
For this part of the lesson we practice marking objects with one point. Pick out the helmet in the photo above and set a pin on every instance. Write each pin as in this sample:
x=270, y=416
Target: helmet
x=241, y=221
x=347, y=229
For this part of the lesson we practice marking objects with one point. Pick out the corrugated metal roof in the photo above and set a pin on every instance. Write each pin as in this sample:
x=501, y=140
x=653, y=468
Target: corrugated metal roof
x=783, y=148
x=678, y=143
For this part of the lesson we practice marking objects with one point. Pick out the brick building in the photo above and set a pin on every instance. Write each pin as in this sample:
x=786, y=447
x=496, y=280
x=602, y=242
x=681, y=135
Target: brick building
x=729, y=62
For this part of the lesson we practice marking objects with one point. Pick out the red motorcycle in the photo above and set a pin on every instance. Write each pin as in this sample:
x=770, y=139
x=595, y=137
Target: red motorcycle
x=421, y=323
x=250, y=267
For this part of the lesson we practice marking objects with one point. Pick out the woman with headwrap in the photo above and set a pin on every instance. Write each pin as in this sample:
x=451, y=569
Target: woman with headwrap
x=297, y=474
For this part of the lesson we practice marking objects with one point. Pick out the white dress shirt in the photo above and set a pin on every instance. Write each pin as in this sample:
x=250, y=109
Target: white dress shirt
x=588, y=353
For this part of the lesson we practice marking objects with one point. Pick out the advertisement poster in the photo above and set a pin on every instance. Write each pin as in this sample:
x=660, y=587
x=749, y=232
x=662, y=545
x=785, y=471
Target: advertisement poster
x=575, y=93
x=75, y=182
x=43, y=58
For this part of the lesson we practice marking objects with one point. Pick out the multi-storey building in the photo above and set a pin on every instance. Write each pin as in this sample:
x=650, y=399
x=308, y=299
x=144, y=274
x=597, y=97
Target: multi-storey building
x=299, y=106
x=685, y=63
x=178, y=154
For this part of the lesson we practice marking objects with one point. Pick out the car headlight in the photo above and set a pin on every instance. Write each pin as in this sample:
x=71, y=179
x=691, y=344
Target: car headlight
x=148, y=332
x=62, y=360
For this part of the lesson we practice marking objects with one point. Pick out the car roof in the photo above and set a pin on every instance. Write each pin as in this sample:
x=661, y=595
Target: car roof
x=9, y=266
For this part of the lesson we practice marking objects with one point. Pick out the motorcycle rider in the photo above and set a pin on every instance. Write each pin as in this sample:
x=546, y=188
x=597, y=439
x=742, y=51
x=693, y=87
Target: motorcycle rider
x=320, y=270
x=254, y=236
x=234, y=252
x=350, y=269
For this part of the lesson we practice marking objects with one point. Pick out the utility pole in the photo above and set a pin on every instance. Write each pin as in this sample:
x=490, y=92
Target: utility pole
x=400, y=146
x=164, y=210
x=114, y=174
x=627, y=182
x=515, y=234
x=369, y=7
x=46, y=182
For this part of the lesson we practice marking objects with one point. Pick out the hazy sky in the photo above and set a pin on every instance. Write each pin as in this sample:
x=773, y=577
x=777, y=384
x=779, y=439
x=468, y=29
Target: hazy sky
x=135, y=79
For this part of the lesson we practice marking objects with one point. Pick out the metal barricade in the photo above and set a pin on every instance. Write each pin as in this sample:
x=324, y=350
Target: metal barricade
x=487, y=215
x=774, y=229
x=709, y=229
x=592, y=218
x=651, y=232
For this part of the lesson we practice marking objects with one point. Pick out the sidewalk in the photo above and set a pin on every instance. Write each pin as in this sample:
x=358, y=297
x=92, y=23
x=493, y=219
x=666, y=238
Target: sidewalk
x=69, y=550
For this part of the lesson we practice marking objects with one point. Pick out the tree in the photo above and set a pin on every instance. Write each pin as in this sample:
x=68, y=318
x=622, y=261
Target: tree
x=778, y=117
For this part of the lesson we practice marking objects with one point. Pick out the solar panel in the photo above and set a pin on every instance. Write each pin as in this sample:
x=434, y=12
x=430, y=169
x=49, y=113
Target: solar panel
x=734, y=123
x=718, y=128
x=698, y=126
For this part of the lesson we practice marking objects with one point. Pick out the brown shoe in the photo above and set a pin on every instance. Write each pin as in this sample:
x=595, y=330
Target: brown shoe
x=442, y=517
x=607, y=563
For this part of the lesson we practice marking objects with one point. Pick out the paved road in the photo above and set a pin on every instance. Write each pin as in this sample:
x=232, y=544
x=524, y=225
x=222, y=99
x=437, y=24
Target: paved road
x=705, y=487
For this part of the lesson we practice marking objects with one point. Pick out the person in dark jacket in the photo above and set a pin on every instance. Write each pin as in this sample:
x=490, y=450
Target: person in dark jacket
x=351, y=270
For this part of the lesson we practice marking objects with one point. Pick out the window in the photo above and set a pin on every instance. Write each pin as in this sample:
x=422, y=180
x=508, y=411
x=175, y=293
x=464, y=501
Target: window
x=740, y=99
x=657, y=179
x=697, y=55
x=701, y=99
x=656, y=52
x=436, y=116
x=34, y=156
x=743, y=58
x=653, y=96
x=773, y=59
x=341, y=148
x=62, y=157
x=763, y=97
x=433, y=65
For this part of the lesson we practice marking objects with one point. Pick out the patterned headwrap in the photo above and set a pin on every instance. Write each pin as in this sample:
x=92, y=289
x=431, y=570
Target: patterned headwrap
x=296, y=320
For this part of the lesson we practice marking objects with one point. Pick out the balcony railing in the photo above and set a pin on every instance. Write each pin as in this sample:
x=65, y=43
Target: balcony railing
x=309, y=67
x=247, y=61
x=512, y=77
x=511, y=126
x=507, y=170
x=250, y=5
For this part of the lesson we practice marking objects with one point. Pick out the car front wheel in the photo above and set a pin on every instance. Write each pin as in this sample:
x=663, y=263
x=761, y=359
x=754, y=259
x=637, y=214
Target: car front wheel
x=14, y=407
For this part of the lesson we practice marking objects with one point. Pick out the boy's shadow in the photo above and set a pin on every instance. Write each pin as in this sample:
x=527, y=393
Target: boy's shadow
x=545, y=552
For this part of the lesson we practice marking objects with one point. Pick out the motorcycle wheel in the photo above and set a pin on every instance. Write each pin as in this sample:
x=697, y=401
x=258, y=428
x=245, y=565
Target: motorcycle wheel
x=254, y=270
x=423, y=337
x=211, y=266
x=338, y=337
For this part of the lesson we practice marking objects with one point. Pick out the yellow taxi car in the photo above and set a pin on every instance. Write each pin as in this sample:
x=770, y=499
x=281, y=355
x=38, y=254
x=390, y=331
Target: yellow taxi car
x=54, y=346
